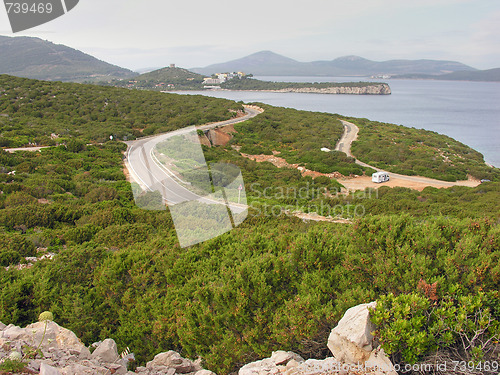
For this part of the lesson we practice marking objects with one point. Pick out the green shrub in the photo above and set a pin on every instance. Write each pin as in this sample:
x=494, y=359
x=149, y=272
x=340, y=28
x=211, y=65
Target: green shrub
x=9, y=257
x=17, y=243
x=81, y=234
x=412, y=325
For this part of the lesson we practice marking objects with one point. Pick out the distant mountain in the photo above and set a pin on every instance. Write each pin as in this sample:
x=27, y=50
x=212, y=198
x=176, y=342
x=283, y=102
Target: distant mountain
x=270, y=63
x=40, y=59
x=260, y=63
x=489, y=75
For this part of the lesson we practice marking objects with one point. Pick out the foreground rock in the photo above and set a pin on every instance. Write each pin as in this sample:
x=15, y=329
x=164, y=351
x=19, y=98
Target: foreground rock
x=62, y=353
x=351, y=343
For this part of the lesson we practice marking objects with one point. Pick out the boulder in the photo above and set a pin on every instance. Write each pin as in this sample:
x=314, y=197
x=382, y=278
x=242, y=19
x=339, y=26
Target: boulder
x=204, y=372
x=13, y=333
x=379, y=363
x=116, y=369
x=2, y=326
x=281, y=357
x=274, y=365
x=172, y=360
x=48, y=370
x=351, y=340
x=106, y=352
x=55, y=336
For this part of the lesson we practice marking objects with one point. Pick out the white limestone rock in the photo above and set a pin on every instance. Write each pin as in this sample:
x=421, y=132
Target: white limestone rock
x=48, y=370
x=55, y=336
x=106, y=352
x=351, y=340
x=172, y=360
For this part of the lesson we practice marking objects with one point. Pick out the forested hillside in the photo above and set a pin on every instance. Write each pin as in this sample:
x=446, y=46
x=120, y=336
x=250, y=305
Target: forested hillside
x=37, y=58
x=275, y=282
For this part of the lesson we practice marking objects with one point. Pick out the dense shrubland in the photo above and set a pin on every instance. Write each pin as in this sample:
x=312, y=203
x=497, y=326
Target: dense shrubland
x=272, y=283
x=299, y=136
x=31, y=111
x=275, y=282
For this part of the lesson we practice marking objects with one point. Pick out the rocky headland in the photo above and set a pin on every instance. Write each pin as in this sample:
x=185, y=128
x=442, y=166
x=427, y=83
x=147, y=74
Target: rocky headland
x=376, y=89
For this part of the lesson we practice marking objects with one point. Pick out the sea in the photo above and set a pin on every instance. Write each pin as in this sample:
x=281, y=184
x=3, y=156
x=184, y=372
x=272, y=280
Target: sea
x=466, y=111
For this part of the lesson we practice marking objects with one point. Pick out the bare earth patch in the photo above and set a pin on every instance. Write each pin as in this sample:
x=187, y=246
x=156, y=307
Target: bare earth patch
x=415, y=182
x=282, y=163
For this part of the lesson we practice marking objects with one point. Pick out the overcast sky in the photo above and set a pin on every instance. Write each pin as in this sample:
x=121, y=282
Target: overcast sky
x=154, y=33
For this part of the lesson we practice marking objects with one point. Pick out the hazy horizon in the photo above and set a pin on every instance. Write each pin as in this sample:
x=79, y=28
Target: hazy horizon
x=196, y=34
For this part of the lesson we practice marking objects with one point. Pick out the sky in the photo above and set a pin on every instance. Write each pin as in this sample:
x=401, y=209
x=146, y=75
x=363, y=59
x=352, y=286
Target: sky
x=139, y=34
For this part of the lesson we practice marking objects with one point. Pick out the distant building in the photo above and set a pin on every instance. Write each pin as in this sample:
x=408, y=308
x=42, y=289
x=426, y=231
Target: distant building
x=172, y=65
x=223, y=77
x=212, y=81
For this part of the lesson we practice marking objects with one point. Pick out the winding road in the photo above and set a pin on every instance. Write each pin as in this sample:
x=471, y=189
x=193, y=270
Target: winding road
x=145, y=169
x=415, y=182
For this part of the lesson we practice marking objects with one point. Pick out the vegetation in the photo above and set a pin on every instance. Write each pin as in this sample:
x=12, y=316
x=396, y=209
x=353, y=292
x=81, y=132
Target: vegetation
x=274, y=282
x=409, y=326
x=36, y=58
x=49, y=113
x=255, y=84
x=299, y=137
x=165, y=79
x=411, y=151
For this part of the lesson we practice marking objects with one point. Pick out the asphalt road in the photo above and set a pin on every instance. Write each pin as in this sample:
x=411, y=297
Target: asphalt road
x=151, y=175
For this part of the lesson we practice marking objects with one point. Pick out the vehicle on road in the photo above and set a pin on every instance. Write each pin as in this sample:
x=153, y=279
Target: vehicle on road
x=379, y=177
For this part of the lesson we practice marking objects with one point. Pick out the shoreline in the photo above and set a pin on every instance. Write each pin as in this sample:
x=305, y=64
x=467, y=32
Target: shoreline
x=340, y=90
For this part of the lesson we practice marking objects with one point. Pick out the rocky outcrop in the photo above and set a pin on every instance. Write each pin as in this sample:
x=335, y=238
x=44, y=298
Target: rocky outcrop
x=62, y=353
x=217, y=137
x=375, y=89
x=351, y=343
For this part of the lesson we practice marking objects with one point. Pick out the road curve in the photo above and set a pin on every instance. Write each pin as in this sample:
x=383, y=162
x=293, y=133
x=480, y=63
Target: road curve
x=351, y=134
x=151, y=175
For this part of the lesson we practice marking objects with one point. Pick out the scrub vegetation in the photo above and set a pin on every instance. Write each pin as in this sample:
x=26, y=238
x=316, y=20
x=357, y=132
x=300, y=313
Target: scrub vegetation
x=274, y=282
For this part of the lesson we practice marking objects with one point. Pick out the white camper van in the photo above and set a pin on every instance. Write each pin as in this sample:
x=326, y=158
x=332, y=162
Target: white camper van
x=380, y=177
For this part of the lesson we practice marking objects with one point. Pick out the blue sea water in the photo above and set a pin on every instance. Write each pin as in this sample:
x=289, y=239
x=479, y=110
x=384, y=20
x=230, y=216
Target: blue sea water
x=466, y=111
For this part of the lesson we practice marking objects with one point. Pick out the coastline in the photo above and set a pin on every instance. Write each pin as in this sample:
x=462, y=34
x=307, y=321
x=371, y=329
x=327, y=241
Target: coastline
x=376, y=89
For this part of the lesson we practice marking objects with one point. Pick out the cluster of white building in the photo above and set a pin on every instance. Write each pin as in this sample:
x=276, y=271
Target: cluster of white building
x=222, y=77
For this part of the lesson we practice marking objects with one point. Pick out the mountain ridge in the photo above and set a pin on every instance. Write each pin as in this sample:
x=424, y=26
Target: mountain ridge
x=30, y=57
x=270, y=63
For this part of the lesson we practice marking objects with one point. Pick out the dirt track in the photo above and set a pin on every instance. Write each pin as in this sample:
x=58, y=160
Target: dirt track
x=396, y=180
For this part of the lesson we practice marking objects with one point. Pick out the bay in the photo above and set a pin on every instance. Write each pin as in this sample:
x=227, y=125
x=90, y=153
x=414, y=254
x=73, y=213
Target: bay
x=466, y=111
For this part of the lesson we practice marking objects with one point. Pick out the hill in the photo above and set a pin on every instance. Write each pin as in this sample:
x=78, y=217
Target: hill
x=172, y=78
x=270, y=63
x=40, y=59
x=168, y=78
x=49, y=113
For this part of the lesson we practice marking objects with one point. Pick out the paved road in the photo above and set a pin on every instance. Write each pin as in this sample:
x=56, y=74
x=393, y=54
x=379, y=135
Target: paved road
x=146, y=170
x=351, y=134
